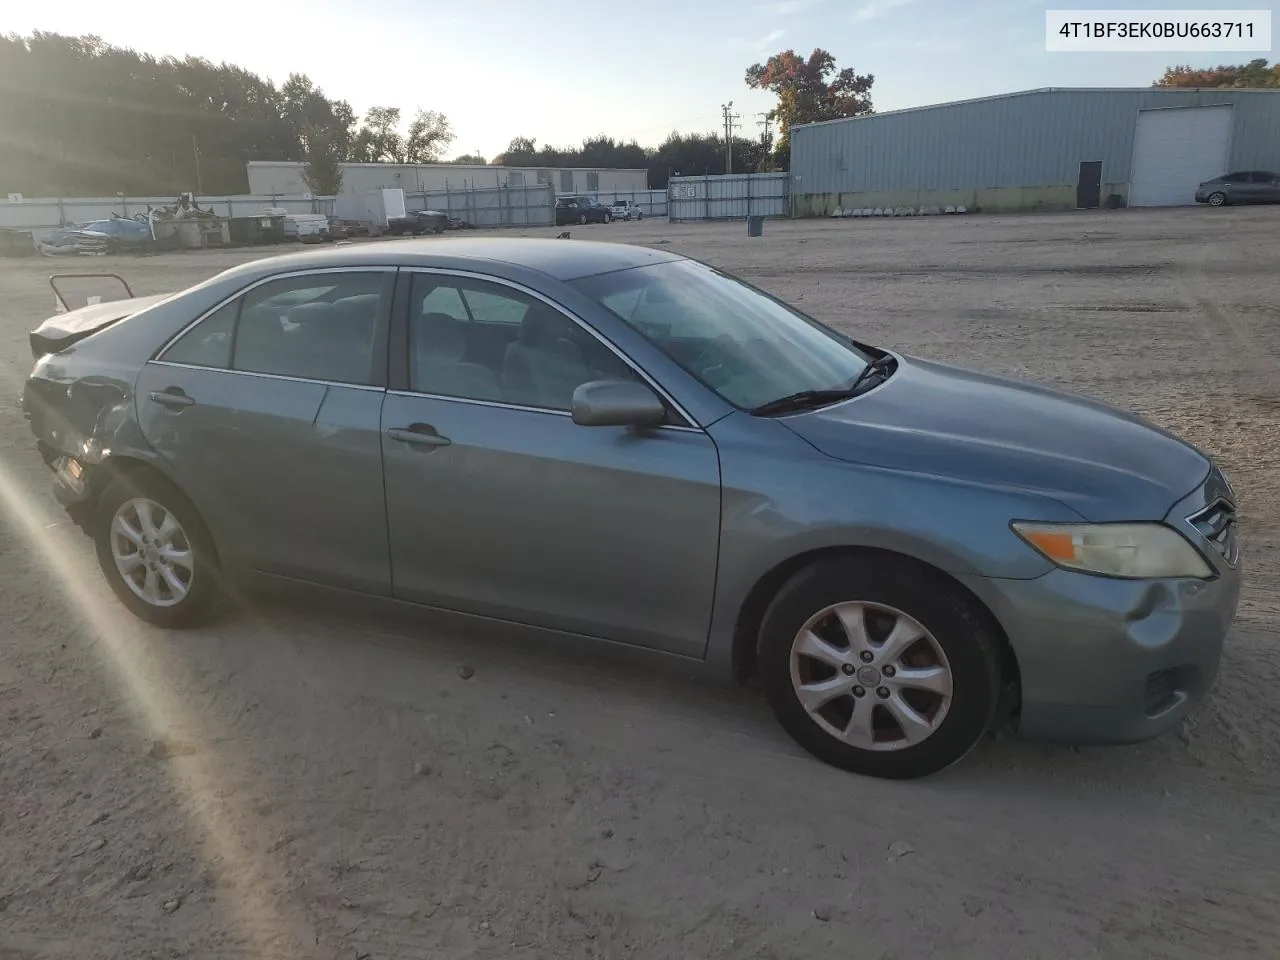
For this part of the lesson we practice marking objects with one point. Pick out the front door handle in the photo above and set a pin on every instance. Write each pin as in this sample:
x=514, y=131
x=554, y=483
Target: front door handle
x=420, y=434
x=171, y=397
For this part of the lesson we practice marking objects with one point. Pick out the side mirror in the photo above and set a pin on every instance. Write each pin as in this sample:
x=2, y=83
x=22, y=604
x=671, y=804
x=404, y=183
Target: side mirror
x=617, y=403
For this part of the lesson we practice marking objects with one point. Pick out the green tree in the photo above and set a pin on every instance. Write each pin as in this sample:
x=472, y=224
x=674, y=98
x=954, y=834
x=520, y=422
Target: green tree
x=468, y=158
x=429, y=134
x=322, y=163
x=1254, y=74
x=809, y=90
x=378, y=140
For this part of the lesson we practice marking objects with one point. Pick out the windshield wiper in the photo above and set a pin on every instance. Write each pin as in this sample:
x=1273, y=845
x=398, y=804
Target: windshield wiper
x=878, y=365
x=809, y=399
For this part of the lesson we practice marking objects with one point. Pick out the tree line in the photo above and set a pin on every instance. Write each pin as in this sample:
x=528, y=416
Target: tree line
x=81, y=117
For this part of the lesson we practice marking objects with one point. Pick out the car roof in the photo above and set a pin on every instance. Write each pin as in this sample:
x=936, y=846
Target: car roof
x=560, y=259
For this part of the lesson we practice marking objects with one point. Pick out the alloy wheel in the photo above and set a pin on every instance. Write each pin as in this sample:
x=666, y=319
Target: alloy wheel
x=152, y=553
x=871, y=676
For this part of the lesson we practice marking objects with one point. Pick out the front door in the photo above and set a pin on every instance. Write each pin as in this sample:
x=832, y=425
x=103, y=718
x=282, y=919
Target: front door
x=268, y=412
x=1261, y=188
x=1089, y=185
x=500, y=505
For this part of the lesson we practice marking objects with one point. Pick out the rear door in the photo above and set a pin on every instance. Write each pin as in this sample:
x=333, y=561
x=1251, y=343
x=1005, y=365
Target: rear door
x=1236, y=187
x=267, y=410
x=1264, y=187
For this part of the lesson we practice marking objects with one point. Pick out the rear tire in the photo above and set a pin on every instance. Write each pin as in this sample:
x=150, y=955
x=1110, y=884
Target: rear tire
x=908, y=707
x=155, y=551
x=582, y=219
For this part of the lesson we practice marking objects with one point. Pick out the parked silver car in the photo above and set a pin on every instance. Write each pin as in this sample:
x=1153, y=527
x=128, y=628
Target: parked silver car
x=1246, y=186
x=609, y=441
x=626, y=210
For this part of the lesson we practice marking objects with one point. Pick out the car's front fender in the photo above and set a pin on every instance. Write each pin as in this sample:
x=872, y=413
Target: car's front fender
x=783, y=500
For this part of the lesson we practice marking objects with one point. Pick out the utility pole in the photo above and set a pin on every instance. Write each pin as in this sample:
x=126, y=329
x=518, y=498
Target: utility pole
x=729, y=125
x=766, y=138
x=195, y=153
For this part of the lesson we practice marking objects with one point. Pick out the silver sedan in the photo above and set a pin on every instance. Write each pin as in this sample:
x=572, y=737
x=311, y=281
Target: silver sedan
x=608, y=441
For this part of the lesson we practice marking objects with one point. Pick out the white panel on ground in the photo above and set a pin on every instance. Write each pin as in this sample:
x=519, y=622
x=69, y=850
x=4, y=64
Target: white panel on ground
x=1175, y=150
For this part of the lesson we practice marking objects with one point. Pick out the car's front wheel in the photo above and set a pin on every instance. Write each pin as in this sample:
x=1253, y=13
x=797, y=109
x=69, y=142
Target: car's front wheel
x=608, y=217
x=880, y=666
x=1217, y=199
x=155, y=551
x=582, y=219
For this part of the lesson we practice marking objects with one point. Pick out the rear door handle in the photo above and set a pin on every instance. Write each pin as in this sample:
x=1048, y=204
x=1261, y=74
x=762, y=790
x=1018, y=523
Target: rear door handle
x=420, y=434
x=172, y=397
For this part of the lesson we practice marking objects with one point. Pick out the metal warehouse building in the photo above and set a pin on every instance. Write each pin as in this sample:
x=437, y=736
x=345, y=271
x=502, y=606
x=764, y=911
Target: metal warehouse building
x=1052, y=149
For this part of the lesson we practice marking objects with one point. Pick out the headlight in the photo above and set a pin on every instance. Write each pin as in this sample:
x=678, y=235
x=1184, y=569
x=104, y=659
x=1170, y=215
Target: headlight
x=1129, y=550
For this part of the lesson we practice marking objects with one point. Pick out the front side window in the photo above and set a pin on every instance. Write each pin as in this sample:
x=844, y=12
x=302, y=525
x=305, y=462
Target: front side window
x=476, y=340
x=743, y=344
x=314, y=327
x=1236, y=178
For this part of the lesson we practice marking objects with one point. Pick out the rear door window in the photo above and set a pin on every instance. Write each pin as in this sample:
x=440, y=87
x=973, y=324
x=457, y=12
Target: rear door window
x=326, y=327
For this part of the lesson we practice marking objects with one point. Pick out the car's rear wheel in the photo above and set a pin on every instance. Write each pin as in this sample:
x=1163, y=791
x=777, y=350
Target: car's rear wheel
x=582, y=219
x=879, y=666
x=155, y=551
x=1217, y=199
x=639, y=216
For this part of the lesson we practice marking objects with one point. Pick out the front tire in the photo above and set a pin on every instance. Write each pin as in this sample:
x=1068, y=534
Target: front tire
x=582, y=219
x=155, y=551
x=880, y=666
x=1217, y=199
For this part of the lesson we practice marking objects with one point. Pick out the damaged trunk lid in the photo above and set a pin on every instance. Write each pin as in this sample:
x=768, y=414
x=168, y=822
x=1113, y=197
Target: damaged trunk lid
x=64, y=329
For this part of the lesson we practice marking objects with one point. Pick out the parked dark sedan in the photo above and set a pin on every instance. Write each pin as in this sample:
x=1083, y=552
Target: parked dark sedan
x=1248, y=186
x=581, y=210
x=597, y=440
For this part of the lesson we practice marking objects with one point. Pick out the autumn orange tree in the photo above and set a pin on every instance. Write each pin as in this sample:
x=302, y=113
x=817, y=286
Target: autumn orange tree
x=1255, y=73
x=809, y=90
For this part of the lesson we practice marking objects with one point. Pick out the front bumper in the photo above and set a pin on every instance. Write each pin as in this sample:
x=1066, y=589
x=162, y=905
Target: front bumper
x=1103, y=660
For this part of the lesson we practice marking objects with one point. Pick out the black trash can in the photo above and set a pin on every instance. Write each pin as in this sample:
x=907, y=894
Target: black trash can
x=755, y=226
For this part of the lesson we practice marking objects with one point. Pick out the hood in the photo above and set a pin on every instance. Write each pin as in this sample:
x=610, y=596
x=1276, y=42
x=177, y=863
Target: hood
x=62, y=330
x=931, y=418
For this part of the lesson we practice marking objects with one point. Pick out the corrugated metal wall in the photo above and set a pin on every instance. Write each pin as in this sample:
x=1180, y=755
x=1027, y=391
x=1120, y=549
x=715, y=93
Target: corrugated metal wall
x=533, y=206
x=1028, y=140
x=46, y=213
x=728, y=197
x=284, y=177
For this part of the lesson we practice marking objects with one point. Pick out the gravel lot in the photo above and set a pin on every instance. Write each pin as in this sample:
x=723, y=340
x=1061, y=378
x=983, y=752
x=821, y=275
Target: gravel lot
x=295, y=782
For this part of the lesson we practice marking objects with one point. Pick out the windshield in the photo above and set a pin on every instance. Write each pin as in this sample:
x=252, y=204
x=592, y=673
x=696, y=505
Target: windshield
x=740, y=342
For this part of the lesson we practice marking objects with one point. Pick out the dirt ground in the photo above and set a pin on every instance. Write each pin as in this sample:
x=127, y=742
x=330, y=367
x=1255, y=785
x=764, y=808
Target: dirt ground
x=295, y=782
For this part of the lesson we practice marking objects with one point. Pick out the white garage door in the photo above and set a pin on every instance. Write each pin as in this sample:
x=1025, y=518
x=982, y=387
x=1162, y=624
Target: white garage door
x=1175, y=150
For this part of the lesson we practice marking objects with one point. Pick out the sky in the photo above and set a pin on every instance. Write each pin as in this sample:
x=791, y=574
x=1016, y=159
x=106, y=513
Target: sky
x=563, y=71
